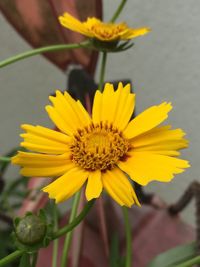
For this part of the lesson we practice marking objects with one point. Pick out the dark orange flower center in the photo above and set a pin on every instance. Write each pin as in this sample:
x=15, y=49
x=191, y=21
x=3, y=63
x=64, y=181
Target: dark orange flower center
x=98, y=147
x=108, y=30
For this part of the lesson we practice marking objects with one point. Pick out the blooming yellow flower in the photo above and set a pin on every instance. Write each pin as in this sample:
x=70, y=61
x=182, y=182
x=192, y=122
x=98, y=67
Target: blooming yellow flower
x=103, y=148
x=94, y=28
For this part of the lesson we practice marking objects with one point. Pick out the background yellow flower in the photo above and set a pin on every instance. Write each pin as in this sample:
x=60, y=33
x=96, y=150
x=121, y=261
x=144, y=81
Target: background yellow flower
x=94, y=28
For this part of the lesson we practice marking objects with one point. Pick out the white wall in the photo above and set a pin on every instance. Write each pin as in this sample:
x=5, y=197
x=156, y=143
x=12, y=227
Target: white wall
x=163, y=65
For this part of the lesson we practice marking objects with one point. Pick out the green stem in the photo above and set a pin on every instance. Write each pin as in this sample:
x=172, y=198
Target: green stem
x=5, y=159
x=102, y=71
x=34, y=259
x=68, y=237
x=128, y=238
x=189, y=263
x=55, y=242
x=51, y=48
x=11, y=257
x=118, y=11
x=75, y=222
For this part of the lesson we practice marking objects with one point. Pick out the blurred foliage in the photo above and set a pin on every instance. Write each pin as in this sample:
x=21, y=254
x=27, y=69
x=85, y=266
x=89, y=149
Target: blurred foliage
x=174, y=256
x=12, y=194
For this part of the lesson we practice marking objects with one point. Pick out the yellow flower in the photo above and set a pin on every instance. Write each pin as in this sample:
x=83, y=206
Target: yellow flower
x=103, y=148
x=94, y=28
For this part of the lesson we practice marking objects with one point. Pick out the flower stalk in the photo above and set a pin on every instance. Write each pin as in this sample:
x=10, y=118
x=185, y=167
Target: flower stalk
x=11, y=257
x=55, y=242
x=75, y=222
x=68, y=237
x=102, y=71
x=37, y=51
x=128, y=238
x=5, y=159
x=34, y=259
x=118, y=11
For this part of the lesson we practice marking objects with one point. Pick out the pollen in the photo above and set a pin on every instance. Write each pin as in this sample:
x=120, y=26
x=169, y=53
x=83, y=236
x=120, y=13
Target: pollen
x=98, y=147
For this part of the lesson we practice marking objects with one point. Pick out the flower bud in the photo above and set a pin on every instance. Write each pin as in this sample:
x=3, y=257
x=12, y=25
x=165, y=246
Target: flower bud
x=30, y=230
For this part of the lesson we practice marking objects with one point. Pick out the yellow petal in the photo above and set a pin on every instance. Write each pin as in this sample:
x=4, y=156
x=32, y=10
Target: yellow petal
x=90, y=22
x=147, y=120
x=46, y=171
x=168, y=145
x=78, y=111
x=144, y=167
x=119, y=188
x=42, y=149
x=44, y=140
x=108, y=110
x=83, y=114
x=74, y=24
x=58, y=120
x=42, y=165
x=66, y=113
x=158, y=135
x=94, y=185
x=67, y=185
x=40, y=160
x=124, y=106
x=132, y=33
x=96, y=109
x=46, y=133
x=160, y=139
x=172, y=153
x=119, y=112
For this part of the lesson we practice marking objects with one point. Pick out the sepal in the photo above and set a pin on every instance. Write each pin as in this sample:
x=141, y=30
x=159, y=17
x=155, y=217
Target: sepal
x=110, y=47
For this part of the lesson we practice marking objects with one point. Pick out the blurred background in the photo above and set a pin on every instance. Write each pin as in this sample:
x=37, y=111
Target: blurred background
x=163, y=66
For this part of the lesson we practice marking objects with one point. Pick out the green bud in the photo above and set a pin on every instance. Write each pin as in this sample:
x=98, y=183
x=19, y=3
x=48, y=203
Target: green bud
x=30, y=230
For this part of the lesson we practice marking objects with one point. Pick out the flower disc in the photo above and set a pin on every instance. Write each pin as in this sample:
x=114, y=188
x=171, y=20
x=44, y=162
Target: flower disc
x=98, y=147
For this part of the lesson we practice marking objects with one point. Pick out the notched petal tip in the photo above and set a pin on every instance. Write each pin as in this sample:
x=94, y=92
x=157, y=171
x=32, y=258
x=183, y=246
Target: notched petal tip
x=50, y=195
x=48, y=108
x=58, y=93
x=187, y=164
x=133, y=202
x=166, y=105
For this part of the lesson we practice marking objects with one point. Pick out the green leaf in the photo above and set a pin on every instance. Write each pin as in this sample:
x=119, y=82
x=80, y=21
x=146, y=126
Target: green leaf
x=174, y=256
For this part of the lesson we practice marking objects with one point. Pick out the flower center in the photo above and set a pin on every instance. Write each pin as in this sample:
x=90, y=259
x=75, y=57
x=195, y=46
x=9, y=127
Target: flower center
x=98, y=147
x=107, y=30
